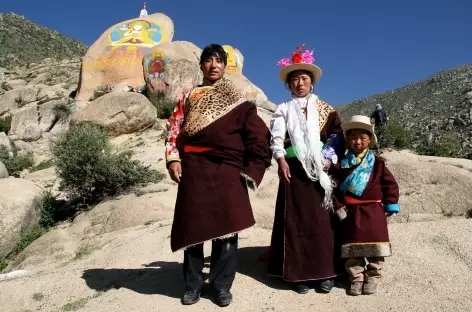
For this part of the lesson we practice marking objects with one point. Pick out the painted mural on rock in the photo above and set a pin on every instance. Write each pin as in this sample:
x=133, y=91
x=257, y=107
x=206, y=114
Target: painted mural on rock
x=117, y=56
x=154, y=69
x=235, y=60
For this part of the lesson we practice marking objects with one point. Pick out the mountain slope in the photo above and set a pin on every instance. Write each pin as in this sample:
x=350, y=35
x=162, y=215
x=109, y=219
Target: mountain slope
x=22, y=41
x=434, y=112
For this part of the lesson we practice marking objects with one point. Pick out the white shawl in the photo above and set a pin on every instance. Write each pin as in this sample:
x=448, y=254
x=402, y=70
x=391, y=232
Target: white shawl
x=305, y=137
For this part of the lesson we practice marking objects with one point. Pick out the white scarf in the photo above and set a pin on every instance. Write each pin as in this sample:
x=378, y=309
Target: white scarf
x=305, y=137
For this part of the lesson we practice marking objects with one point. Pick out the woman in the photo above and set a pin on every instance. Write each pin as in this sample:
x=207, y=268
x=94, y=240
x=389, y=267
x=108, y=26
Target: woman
x=306, y=140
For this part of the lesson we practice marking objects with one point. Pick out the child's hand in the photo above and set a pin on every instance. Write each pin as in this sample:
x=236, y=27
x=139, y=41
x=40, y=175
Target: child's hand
x=389, y=214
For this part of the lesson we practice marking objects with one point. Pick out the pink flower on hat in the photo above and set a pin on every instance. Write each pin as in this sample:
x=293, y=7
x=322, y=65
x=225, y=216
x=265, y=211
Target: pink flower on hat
x=301, y=55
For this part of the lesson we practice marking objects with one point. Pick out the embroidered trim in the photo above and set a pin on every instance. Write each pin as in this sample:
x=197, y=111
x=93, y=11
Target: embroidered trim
x=324, y=109
x=219, y=237
x=371, y=249
x=174, y=123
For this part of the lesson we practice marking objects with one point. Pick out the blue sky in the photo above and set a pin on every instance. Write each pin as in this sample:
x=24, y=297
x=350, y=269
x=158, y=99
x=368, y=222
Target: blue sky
x=364, y=47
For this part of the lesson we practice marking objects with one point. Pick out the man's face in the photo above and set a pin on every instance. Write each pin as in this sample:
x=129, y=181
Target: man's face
x=213, y=68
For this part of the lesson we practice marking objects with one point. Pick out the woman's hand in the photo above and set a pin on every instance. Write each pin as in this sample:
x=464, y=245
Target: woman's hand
x=328, y=164
x=284, y=170
x=175, y=171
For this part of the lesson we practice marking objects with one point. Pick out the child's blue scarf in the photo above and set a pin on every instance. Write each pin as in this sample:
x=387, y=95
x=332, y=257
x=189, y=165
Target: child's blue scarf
x=357, y=181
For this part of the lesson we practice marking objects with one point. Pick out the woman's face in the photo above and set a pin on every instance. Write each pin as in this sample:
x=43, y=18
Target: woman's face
x=300, y=83
x=358, y=140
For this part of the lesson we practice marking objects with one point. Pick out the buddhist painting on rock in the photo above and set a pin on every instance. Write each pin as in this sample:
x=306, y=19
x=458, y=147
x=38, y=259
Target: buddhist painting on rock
x=136, y=35
x=234, y=63
x=155, y=64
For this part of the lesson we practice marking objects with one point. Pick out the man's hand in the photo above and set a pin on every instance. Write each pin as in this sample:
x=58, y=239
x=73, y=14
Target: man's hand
x=284, y=170
x=175, y=171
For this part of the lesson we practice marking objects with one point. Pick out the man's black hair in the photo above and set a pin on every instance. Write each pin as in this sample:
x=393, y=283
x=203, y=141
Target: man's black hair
x=214, y=50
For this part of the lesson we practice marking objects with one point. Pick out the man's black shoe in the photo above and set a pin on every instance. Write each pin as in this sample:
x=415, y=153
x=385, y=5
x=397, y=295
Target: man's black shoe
x=191, y=297
x=224, y=298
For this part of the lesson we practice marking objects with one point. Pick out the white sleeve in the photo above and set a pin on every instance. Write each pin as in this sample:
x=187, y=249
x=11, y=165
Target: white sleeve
x=278, y=130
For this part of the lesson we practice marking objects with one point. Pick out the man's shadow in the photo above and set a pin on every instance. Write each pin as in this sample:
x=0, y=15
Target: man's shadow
x=166, y=278
x=163, y=278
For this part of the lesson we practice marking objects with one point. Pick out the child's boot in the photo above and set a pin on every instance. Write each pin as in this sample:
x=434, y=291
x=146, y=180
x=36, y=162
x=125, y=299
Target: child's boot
x=355, y=289
x=369, y=288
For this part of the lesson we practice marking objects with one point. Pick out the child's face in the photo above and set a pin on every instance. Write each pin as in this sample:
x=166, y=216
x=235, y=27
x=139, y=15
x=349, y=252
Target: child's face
x=358, y=140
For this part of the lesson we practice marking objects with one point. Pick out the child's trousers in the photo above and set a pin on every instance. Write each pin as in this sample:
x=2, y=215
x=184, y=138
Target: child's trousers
x=365, y=269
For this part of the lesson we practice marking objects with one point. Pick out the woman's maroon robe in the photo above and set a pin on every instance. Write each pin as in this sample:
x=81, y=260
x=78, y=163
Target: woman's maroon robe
x=303, y=245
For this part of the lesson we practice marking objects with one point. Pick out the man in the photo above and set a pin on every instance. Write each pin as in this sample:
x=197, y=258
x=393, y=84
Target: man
x=143, y=11
x=379, y=115
x=216, y=146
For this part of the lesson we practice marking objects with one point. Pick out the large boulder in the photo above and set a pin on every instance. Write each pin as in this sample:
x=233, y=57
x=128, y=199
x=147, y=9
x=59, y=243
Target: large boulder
x=20, y=206
x=172, y=67
x=116, y=57
x=119, y=113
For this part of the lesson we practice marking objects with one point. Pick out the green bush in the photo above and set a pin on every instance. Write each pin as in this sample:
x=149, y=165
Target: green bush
x=401, y=136
x=5, y=124
x=3, y=264
x=15, y=164
x=163, y=105
x=90, y=170
x=447, y=146
x=26, y=240
x=49, y=211
x=45, y=164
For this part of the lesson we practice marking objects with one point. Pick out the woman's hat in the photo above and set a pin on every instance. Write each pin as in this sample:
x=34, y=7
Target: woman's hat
x=302, y=59
x=360, y=122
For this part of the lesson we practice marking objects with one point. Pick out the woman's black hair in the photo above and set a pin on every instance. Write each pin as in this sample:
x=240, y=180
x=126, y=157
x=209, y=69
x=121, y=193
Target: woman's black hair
x=214, y=50
x=290, y=75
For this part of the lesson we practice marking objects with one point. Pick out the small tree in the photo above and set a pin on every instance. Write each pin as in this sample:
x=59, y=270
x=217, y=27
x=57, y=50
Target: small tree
x=401, y=135
x=90, y=170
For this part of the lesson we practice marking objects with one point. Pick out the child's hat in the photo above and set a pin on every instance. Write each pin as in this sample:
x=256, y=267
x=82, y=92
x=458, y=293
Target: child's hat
x=360, y=122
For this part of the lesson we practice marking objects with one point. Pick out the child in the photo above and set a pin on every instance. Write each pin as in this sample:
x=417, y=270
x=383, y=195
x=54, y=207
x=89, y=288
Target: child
x=367, y=193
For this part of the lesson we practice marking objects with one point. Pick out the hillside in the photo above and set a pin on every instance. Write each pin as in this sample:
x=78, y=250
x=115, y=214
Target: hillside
x=435, y=112
x=22, y=41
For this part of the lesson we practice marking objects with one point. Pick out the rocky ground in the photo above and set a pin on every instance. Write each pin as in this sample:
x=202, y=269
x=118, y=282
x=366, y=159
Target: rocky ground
x=117, y=257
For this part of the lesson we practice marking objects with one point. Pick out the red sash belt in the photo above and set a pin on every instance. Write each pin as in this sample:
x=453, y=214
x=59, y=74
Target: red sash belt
x=197, y=149
x=353, y=201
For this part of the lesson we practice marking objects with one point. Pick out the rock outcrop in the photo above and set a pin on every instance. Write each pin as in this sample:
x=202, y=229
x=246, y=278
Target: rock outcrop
x=172, y=67
x=119, y=113
x=117, y=55
x=20, y=204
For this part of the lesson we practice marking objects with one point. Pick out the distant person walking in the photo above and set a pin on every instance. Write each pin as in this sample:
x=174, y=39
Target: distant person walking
x=379, y=115
x=380, y=118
